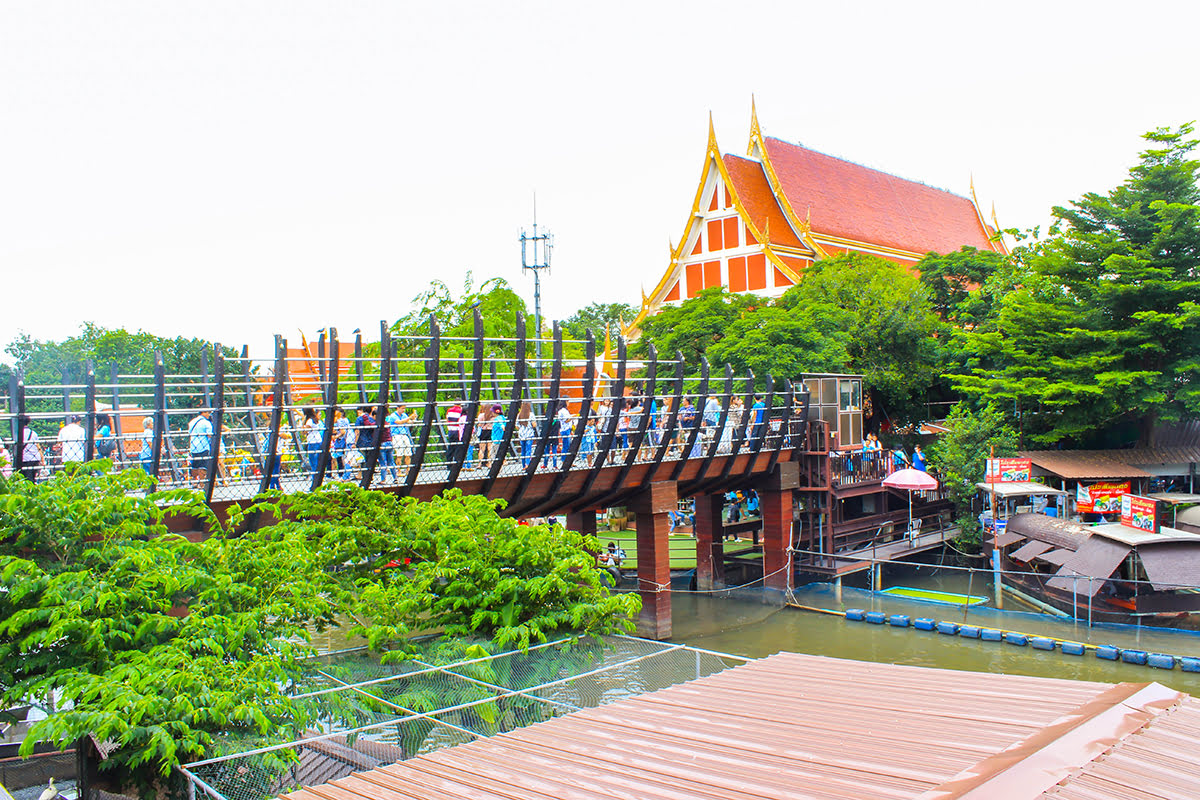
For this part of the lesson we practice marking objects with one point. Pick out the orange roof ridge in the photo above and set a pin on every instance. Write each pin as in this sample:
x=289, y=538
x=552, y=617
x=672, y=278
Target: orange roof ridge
x=860, y=165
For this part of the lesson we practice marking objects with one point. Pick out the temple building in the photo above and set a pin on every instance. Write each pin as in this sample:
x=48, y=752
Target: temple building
x=759, y=220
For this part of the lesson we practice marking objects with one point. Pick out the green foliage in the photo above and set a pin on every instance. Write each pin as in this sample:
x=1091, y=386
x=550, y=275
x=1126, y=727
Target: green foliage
x=1102, y=326
x=881, y=315
x=953, y=278
x=697, y=324
x=498, y=304
x=599, y=318
x=165, y=646
x=960, y=454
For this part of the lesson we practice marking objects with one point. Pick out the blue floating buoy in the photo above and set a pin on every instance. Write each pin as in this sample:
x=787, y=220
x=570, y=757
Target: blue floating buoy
x=855, y=614
x=1161, y=661
x=924, y=624
x=1072, y=648
x=1189, y=664
x=1019, y=639
x=1108, y=652
x=991, y=635
x=898, y=620
x=1042, y=643
x=948, y=628
x=1134, y=656
x=876, y=617
x=968, y=632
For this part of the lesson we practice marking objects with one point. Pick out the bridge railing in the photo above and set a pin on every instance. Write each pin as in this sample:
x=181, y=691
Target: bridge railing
x=399, y=413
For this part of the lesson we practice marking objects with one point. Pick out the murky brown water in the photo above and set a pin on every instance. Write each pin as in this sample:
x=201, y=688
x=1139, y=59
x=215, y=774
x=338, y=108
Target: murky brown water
x=752, y=629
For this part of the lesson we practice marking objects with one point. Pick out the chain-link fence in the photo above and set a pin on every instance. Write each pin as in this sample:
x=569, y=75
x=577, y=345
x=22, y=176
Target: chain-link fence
x=362, y=719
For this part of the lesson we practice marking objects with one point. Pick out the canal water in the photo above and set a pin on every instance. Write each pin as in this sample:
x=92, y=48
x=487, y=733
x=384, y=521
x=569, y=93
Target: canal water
x=750, y=628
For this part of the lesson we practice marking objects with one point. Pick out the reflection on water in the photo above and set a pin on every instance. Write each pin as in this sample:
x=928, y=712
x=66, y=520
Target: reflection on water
x=753, y=629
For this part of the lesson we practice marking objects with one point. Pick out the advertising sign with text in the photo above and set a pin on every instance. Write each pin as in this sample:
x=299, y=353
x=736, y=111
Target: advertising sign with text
x=1100, y=498
x=1139, y=512
x=1008, y=470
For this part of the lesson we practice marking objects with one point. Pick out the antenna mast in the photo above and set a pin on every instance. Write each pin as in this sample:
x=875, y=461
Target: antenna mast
x=535, y=257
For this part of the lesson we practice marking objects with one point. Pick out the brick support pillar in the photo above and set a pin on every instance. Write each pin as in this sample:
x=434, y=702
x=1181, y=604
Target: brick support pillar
x=710, y=545
x=775, y=497
x=582, y=521
x=651, y=509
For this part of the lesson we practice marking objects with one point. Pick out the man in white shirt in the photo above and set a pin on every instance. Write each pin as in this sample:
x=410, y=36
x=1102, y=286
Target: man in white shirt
x=70, y=441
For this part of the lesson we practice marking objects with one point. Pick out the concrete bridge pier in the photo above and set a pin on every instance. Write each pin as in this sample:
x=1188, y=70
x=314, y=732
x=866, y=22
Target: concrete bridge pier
x=775, y=497
x=710, y=543
x=651, y=508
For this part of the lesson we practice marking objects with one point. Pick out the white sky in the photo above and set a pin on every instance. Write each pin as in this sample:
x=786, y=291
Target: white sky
x=233, y=170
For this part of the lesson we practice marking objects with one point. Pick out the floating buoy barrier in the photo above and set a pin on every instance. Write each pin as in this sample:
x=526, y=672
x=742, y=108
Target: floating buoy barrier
x=1161, y=661
x=1044, y=643
x=1139, y=657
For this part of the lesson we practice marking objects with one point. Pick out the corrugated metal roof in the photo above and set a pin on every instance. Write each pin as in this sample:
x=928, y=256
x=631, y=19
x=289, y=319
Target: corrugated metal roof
x=1171, y=565
x=799, y=726
x=1019, y=489
x=1005, y=538
x=1058, y=557
x=1085, y=464
x=1058, y=532
x=1097, y=558
x=1030, y=549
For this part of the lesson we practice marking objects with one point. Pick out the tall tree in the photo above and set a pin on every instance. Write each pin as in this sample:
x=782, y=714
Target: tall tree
x=1105, y=326
x=601, y=318
x=951, y=279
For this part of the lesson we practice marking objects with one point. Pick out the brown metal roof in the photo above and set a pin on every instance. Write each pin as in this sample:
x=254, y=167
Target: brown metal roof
x=799, y=726
x=1097, y=558
x=1030, y=549
x=1107, y=464
x=1058, y=532
x=1058, y=557
x=1171, y=565
x=1005, y=538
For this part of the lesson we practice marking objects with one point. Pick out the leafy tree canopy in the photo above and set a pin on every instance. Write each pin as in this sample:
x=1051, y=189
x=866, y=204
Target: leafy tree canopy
x=695, y=325
x=952, y=278
x=1103, y=326
x=496, y=301
x=165, y=645
x=600, y=318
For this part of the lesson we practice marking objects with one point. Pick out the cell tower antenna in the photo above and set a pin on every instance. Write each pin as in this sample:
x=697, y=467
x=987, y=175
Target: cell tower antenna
x=535, y=257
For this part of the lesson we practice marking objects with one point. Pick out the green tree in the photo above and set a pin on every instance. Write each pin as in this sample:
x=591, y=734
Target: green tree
x=953, y=277
x=599, y=318
x=696, y=324
x=167, y=646
x=882, y=316
x=496, y=301
x=1104, y=327
x=959, y=456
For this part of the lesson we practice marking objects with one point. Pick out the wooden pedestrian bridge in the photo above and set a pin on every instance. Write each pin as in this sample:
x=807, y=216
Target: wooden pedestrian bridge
x=572, y=432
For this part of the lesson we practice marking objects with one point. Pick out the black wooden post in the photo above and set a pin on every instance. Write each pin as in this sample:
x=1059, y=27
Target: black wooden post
x=358, y=368
x=520, y=370
x=690, y=444
x=618, y=393
x=89, y=407
x=540, y=448
x=385, y=376
x=160, y=411
x=218, y=417
x=66, y=394
x=433, y=366
x=331, y=393
x=788, y=409
x=16, y=393
x=204, y=376
x=272, y=455
x=464, y=446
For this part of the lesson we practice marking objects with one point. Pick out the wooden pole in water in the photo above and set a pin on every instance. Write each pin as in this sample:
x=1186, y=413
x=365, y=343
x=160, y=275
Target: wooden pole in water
x=999, y=589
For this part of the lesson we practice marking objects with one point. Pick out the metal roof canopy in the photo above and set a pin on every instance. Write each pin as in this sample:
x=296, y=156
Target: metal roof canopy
x=1019, y=489
x=794, y=725
x=1092, y=564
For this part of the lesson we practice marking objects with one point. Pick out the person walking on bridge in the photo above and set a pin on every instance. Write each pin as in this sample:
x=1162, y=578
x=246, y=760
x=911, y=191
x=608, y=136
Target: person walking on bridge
x=200, y=433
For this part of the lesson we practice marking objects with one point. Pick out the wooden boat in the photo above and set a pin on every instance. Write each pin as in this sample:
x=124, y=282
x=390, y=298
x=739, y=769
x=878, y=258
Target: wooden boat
x=1106, y=573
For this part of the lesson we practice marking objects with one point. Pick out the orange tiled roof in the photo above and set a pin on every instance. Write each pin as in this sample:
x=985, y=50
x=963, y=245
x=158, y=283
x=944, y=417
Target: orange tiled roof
x=855, y=202
x=754, y=192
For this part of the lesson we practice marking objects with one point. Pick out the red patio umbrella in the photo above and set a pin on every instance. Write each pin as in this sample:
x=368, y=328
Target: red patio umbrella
x=914, y=480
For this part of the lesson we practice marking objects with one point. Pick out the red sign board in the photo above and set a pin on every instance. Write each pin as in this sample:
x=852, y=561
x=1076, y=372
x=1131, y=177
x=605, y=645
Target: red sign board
x=1008, y=470
x=1100, y=498
x=1139, y=512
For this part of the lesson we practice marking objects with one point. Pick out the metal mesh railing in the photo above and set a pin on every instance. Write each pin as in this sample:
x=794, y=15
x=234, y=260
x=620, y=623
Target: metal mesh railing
x=361, y=723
